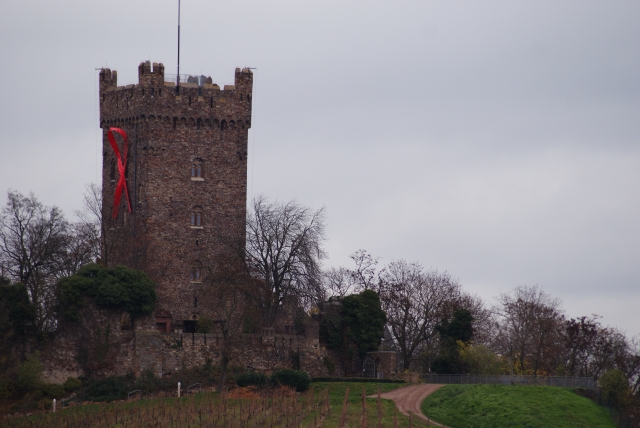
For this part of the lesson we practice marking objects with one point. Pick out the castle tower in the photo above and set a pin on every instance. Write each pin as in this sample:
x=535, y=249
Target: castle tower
x=187, y=179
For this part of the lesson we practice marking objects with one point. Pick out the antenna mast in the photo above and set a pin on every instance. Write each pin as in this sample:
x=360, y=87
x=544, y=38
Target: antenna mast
x=178, y=76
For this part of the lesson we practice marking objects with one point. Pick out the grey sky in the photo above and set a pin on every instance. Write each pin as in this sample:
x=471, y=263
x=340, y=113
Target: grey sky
x=497, y=140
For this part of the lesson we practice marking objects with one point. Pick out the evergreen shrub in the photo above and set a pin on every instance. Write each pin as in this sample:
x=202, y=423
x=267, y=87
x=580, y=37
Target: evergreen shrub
x=252, y=379
x=72, y=384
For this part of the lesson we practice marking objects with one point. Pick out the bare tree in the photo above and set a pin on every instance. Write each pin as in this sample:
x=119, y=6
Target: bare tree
x=33, y=244
x=342, y=281
x=529, y=322
x=338, y=282
x=483, y=319
x=91, y=227
x=365, y=276
x=415, y=302
x=284, y=248
x=610, y=351
x=580, y=337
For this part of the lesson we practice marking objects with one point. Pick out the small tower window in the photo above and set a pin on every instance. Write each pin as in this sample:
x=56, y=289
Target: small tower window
x=197, y=170
x=195, y=272
x=112, y=172
x=196, y=218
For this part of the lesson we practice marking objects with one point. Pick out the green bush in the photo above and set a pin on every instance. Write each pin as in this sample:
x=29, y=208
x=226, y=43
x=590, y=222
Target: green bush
x=252, y=379
x=72, y=384
x=614, y=387
x=28, y=374
x=109, y=389
x=120, y=288
x=331, y=366
x=53, y=390
x=297, y=379
x=358, y=328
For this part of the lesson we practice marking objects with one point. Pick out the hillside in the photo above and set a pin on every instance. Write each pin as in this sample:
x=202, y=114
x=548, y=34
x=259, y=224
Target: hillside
x=489, y=406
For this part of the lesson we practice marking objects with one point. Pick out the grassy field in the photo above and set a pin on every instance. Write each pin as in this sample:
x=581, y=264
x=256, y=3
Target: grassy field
x=488, y=406
x=321, y=406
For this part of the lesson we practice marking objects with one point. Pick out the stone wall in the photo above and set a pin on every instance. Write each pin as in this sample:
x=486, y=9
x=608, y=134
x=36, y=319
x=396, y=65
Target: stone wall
x=98, y=343
x=140, y=349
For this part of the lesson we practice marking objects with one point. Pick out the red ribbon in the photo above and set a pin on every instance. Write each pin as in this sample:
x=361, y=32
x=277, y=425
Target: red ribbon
x=122, y=166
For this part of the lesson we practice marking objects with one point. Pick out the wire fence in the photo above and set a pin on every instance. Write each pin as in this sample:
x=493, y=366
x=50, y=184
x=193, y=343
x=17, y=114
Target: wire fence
x=463, y=379
x=623, y=418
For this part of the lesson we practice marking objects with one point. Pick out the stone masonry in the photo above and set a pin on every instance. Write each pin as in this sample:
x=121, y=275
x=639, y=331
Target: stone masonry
x=187, y=179
x=125, y=350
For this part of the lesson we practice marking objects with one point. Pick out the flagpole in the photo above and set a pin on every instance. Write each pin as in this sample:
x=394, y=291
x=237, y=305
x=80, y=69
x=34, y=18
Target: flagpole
x=178, y=76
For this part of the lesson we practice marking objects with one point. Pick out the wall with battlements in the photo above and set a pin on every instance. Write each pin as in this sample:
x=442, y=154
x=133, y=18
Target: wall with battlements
x=107, y=346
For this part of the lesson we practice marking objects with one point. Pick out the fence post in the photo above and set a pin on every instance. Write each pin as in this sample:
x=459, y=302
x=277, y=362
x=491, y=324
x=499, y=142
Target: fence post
x=54, y=405
x=178, y=389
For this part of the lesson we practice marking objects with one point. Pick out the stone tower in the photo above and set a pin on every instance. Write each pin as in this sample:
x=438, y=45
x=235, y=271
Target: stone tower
x=186, y=174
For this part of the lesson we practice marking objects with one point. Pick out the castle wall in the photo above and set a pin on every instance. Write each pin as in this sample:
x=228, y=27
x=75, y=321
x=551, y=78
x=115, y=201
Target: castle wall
x=137, y=350
x=98, y=343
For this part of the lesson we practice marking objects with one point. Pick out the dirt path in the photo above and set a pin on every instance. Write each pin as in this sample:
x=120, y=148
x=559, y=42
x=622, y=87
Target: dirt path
x=409, y=399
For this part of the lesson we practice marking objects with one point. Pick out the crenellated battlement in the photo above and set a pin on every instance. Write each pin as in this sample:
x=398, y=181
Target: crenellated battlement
x=108, y=79
x=155, y=94
x=144, y=70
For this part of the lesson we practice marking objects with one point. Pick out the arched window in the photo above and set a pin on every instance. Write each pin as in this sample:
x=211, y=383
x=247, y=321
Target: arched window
x=197, y=170
x=195, y=273
x=196, y=218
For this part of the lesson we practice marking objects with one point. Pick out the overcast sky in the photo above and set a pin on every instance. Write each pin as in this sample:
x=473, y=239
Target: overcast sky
x=496, y=140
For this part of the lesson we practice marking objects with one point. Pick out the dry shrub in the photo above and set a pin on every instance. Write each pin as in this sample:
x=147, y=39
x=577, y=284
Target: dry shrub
x=250, y=392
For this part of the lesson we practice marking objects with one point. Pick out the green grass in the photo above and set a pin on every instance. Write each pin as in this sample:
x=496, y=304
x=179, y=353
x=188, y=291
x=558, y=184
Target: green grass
x=488, y=406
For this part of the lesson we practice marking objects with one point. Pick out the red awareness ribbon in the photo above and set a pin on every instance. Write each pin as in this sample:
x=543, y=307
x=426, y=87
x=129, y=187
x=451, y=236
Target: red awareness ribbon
x=122, y=166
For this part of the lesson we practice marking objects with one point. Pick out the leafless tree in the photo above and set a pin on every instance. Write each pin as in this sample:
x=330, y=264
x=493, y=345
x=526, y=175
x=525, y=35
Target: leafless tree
x=415, y=302
x=38, y=247
x=90, y=227
x=33, y=244
x=483, y=319
x=610, y=351
x=337, y=282
x=591, y=349
x=580, y=337
x=342, y=281
x=284, y=247
x=365, y=276
x=529, y=324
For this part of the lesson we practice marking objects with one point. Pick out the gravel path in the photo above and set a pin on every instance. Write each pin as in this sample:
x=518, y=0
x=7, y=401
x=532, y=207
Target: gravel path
x=409, y=399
